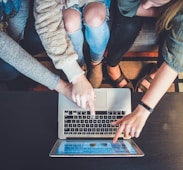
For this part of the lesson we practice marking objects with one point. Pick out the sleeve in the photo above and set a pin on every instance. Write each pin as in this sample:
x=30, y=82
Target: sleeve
x=172, y=50
x=128, y=7
x=50, y=28
x=26, y=64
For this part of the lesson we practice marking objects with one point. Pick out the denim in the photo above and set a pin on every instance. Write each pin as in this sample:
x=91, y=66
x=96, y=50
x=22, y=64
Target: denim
x=16, y=24
x=9, y=8
x=15, y=30
x=7, y=72
x=124, y=31
x=123, y=34
x=172, y=48
x=77, y=39
x=107, y=3
x=170, y=42
x=128, y=8
x=96, y=37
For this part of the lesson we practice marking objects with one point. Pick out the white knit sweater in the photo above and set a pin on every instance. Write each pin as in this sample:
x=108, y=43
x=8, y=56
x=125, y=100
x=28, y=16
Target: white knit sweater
x=50, y=27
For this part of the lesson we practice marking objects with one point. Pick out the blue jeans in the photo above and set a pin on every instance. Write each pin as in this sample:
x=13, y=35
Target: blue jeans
x=7, y=72
x=96, y=37
x=15, y=30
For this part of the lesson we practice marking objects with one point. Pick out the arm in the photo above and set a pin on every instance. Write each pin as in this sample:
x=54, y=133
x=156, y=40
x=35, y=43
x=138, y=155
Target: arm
x=133, y=123
x=151, y=12
x=132, y=8
x=24, y=63
x=30, y=67
x=50, y=27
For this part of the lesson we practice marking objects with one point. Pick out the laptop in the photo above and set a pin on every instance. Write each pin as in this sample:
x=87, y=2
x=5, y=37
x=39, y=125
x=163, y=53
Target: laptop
x=81, y=136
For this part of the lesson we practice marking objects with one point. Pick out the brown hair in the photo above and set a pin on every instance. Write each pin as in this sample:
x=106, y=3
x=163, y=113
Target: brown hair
x=171, y=10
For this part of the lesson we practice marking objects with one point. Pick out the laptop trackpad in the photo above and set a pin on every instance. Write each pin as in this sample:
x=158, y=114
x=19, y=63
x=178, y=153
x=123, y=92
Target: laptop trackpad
x=101, y=99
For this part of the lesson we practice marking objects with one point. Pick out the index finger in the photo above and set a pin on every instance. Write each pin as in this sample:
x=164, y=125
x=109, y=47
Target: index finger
x=119, y=131
x=92, y=109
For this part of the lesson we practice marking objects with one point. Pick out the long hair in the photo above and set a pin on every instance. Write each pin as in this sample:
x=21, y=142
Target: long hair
x=171, y=10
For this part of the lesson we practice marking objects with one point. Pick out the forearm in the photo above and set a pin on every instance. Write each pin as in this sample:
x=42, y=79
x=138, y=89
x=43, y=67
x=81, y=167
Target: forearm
x=24, y=63
x=132, y=124
x=159, y=86
x=50, y=27
x=151, y=12
x=64, y=88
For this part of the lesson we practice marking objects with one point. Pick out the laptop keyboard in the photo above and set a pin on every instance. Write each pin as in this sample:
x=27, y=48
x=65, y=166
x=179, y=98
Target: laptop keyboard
x=80, y=122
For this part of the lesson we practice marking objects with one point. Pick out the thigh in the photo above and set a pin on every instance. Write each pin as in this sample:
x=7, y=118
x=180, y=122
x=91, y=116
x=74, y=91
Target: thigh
x=16, y=24
x=123, y=34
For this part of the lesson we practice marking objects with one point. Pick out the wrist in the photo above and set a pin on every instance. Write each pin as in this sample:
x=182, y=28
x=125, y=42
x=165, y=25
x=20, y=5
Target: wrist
x=72, y=70
x=146, y=107
x=61, y=86
x=141, y=111
x=78, y=78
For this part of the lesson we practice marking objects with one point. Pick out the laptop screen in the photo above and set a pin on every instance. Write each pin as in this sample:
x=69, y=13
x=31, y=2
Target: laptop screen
x=96, y=147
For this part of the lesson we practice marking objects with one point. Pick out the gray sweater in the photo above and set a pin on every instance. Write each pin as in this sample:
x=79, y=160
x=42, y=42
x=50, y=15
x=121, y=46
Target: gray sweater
x=12, y=53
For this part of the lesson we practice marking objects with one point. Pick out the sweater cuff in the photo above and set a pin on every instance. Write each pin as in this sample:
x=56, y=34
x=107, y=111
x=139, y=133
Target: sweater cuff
x=72, y=70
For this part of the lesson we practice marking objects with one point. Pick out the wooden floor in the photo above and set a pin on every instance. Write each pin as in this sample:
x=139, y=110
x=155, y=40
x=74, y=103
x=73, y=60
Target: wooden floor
x=134, y=70
x=133, y=67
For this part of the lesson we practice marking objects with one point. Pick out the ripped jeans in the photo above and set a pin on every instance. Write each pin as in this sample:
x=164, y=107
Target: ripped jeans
x=96, y=37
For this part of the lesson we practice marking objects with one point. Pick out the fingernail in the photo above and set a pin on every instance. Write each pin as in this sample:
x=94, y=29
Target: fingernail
x=93, y=116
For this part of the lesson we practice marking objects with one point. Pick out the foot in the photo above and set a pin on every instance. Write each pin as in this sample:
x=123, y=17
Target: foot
x=118, y=78
x=96, y=76
x=144, y=84
x=114, y=73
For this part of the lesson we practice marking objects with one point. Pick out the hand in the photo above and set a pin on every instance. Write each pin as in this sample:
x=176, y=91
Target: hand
x=131, y=125
x=83, y=94
x=65, y=88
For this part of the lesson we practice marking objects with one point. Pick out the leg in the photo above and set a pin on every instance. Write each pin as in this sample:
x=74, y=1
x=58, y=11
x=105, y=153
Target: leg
x=7, y=72
x=11, y=77
x=72, y=22
x=144, y=83
x=96, y=30
x=16, y=24
x=107, y=3
x=123, y=34
x=31, y=41
x=16, y=27
x=97, y=36
x=15, y=30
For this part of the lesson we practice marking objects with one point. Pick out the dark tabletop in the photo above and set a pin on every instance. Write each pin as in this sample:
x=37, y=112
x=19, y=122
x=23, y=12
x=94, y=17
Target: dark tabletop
x=28, y=129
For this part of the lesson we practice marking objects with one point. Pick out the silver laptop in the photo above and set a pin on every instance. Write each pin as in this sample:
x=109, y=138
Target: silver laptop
x=81, y=136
